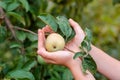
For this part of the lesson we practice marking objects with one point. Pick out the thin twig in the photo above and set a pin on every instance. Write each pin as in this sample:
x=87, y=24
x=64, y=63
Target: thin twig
x=26, y=30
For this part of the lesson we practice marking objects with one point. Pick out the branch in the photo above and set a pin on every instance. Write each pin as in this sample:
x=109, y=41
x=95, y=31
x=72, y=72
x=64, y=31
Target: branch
x=1, y=14
x=7, y=21
x=26, y=30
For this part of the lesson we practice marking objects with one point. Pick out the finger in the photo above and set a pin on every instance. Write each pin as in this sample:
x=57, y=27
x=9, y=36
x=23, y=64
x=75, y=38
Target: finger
x=49, y=61
x=47, y=29
x=41, y=39
x=76, y=26
x=45, y=54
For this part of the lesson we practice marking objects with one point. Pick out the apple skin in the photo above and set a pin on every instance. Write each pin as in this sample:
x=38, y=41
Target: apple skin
x=54, y=42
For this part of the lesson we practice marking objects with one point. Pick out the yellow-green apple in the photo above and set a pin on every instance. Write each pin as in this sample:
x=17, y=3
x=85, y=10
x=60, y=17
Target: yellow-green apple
x=54, y=42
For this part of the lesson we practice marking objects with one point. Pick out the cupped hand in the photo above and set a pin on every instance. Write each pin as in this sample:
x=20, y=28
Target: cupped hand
x=74, y=44
x=62, y=57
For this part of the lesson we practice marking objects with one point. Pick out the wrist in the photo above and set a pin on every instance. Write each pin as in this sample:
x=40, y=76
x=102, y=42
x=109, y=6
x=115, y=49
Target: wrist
x=75, y=68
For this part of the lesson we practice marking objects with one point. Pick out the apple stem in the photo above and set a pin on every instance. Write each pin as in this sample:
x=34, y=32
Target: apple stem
x=70, y=50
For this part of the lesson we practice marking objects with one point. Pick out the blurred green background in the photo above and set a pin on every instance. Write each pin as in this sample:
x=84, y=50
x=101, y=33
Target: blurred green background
x=18, y=49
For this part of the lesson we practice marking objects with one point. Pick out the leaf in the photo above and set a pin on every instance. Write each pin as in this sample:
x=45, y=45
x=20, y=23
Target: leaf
x=56, y=75
x=29, y=65
x=86, y=45
x=12, y=6
x=15, y=45
x=64, y=26
x=32, y=37
x=40, y=60
x=71, y=36
x=3, y=33
x=88, y=35
x=89, y=64
x=49, y=20
x=17, y=16
x=67, y=75
x=20, y=74
x=25, y=4
x=78, y=54
x=20, y=62
x=3, y=5
x=59, y=24
x=21, y=35
x=34, y=44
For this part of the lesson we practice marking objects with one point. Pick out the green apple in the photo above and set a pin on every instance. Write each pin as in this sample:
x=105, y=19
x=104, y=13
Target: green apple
x=54, y=42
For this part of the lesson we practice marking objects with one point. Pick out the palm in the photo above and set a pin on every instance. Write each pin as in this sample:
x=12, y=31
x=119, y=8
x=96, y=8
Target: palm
x=61, y=57
x=74, y=44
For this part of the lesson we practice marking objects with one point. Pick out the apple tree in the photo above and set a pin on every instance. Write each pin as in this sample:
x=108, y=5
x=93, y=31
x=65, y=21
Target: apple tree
x=19, y=23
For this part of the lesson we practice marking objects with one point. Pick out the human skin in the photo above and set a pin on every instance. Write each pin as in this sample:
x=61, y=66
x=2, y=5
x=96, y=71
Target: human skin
x=106, y=65
x=62, y=57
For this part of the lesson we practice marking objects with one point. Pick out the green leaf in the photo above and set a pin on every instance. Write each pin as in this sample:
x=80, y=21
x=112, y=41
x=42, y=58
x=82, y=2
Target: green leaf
x=21, y=35
x=15, y=45
x=3, y=5
x=12, y=6
x=78, y=54
x=17, y=16
x=67, y=75
x=86, y=45
x=49, y=20
x=29, y=65
x=89, y=64
x=32, y=37
x=20, y=74
x=71, y=36
x=64, y=26
x=3, y=33
x=59, y=24
x=34, y=44
x=40, y=60
x=56, y=75
x=88, y=35
x=20, y=62
x=25, y=4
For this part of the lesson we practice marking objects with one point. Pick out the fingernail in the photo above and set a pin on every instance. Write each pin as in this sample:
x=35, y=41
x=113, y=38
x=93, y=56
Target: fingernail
x=39, y=30
x=70, y=19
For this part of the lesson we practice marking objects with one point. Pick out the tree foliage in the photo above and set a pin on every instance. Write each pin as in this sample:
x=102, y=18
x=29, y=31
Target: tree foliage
x=18, y=34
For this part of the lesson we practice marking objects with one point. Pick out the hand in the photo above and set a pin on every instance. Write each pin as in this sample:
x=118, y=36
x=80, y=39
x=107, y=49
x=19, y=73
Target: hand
x=76, y=41
x=62, y=57
x=74, y=44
